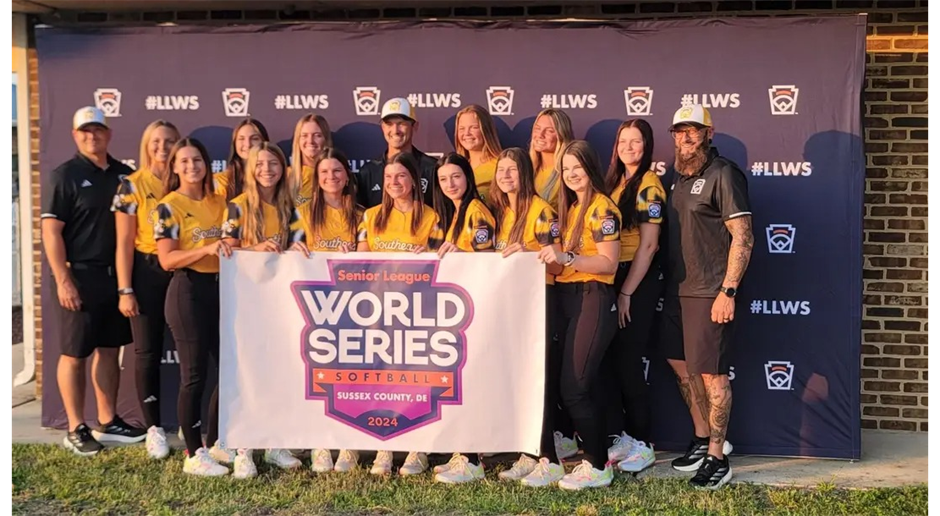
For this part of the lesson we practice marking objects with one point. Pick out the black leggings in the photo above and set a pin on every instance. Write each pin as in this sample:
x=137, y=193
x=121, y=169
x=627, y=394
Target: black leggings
x=149, y=328
x=585, y=326
x=192, y=310
x=628, y=405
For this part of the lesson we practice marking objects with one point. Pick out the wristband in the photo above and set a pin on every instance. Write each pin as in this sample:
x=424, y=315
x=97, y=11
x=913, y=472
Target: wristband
x=125, y=291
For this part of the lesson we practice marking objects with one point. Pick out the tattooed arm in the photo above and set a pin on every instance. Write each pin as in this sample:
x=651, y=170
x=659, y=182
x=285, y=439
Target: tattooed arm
x=742, y=241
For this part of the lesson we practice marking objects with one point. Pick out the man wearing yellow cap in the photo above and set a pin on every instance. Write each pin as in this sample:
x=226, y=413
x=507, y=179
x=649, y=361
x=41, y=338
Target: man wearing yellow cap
x=398, y=126
x=709, y=245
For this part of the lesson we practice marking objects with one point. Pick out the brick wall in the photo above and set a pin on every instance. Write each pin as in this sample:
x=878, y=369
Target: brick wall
x=35, y=245
x=894, y=322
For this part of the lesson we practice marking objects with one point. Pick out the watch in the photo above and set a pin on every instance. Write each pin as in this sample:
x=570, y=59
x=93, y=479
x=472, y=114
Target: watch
x=729, y=291
x=125, y=291
x=569, y=258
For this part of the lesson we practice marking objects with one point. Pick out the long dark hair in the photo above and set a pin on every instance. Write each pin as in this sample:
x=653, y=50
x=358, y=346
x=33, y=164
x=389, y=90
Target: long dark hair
x=582, y=151
x=617, y=169
x=408, y=161
x=443, y=205
x=236, y=165
x=171, y=181
x=524, y=196
x=351, y=211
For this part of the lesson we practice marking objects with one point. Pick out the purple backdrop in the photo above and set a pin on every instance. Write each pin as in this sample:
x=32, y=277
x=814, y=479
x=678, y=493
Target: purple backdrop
x=785, y=95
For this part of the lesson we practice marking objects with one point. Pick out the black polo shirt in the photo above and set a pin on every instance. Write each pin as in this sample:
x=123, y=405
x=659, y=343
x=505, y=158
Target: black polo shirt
x=80, y=194
x=696, y=212
x=371, y=179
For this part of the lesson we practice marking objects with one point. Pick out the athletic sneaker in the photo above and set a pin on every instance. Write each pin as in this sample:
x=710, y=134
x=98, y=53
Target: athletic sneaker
x=81, y=442
x=281, y=458
x=222, y=455
x=694, y=455
x=203, y=465
x=520, y=469
x=640, y=458
x=622, y=447
x=156, y=443
x=118, y=431
x=415, y=464
x=321, y=461
x=565, y=447
x=348, y=460
x=545, y=473
x=713, y=473
x=440, y=468
x=244, y=464
x=462, y=471
x=382, y=465
x=586, y=475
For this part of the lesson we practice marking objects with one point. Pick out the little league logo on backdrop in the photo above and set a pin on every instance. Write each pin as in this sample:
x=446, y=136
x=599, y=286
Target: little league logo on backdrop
x=383, y=344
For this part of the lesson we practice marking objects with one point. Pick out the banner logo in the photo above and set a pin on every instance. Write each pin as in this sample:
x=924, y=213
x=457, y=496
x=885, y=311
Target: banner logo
x=235, y=101
x=780, y=307
x=384, y=343
x=780, y=238
x=712, y=100
x=171, y=102
x=639, y=100
x=646, y=369
x=285, y=101
x=569, y=101
x=779, y=375
x=783, y=99
x=108, y=100
x=434, y=100
x=499, y=100
x=367, y=100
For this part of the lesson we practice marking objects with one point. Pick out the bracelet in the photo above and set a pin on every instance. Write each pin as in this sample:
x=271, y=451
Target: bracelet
x=624, y=295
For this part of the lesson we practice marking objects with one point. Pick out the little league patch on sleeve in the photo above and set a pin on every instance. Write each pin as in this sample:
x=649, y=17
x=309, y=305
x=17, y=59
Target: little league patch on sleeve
x=482, y=235
x=555, y=229
x=608, y=226
x=655, y=210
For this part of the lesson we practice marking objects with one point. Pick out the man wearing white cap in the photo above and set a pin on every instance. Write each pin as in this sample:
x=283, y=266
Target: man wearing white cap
x=79, y=239
x=709, y=241
x=398, y=126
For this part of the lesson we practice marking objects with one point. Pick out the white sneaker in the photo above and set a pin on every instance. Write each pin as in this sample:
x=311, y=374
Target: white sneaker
x=520, y=469
x=156, y=443
x=179, y=434
x=203, y=465
x=565, y=447
x=639, y=459
x=245, y=464
x=440, y=468
x=281, y=458
x=348, y=460
x=222, y=455
x=321, y=461
x=382, y=465
x=585, y=475
x=545, y=473
x=622, y=447
x=461, y=471
x=415, y=464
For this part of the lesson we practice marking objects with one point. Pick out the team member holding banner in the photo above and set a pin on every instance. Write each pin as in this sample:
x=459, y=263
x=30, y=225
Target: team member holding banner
x=188, y=234
x=311, y=135
x=527, y=223
x=469, y=228
x=248, y=133
x=330, y=221
x=550, y=133
x=402, y=222
x=710, y=242
x=262, y=218
x=590, y=225
x=640, y=197
x=475, y=138
x=142, y=283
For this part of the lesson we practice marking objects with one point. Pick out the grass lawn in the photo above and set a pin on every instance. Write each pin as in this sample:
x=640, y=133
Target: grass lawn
x=50, y=480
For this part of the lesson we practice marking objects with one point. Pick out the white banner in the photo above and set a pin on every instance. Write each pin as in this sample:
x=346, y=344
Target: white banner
x=382, y=351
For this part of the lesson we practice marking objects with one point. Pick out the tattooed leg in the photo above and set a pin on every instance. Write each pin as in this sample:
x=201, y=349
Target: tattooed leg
x=719, y=400
x=699, y=420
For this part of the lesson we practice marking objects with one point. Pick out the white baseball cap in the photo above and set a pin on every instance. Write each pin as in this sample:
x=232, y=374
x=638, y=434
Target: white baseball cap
x=692, y=114
x=398, y=107
x=88, y=115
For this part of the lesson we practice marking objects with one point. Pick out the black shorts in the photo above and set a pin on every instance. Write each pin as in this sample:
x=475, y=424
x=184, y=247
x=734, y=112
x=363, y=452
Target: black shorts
x=706, y=344
x=99, y=324
x=670, y=329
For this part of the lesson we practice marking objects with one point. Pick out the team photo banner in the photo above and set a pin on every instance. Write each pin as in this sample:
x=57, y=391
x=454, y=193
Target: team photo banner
x=382, y=351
